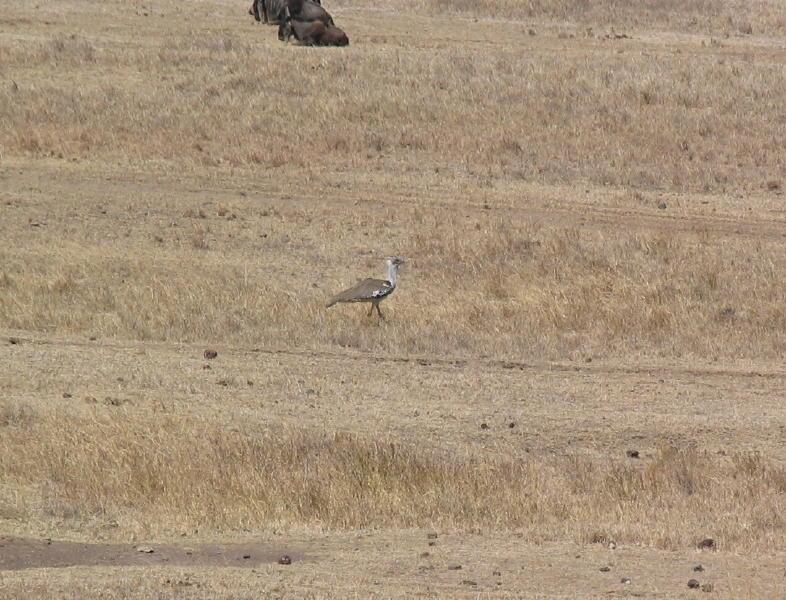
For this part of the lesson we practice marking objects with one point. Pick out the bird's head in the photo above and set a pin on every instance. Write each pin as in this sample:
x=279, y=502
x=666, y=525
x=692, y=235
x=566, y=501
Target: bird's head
x=395, y=261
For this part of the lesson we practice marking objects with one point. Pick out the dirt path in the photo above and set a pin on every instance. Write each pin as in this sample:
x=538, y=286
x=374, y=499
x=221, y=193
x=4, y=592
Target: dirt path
x=598, y=408
x=391, y=564
x=28, y=553
x=595, y=208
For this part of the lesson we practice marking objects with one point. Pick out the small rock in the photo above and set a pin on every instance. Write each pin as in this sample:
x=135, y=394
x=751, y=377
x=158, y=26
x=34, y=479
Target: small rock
x=632, y=453
x=693, y=584
x=92, y=338
x=66, y=395
x=454, y=567
x=707, y=544
x=605, y=569
x=13, y=341
x=431, y=536
x=246, y=556
x=625, y=581
x=432, y=543
x=484, y=426
x=206, y=367
x=707, y=587
x=612, y=545
x=727, y=313
x=698, y=569
x=511, y=425
x=497, y=574
x=469, y=582
x=662, y=205
x=425, y=554
x=210, y=354
x=285, y=560
x=145, y=549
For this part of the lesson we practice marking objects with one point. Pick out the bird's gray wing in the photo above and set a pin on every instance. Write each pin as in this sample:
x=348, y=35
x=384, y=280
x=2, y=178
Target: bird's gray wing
x=363, y=291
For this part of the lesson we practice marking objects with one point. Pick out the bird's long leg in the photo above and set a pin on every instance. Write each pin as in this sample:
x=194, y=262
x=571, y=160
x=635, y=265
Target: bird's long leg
x=371, y=309
x=379, y=312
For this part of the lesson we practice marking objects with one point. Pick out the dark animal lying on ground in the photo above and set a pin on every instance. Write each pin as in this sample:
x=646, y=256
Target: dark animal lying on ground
x=276, y=11
x=313, y=33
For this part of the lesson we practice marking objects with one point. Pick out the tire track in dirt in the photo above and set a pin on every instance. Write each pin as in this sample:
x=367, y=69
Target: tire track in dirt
x=605, y=218
x=437, y=362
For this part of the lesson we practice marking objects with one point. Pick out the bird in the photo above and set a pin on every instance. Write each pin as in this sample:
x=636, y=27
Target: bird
x=372, y=290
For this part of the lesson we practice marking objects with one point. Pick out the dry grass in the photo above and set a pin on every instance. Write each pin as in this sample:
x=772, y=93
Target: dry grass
x=186, y=178
x=522, y=291
x=723, y=17
x=494, y=107
x=128, y=472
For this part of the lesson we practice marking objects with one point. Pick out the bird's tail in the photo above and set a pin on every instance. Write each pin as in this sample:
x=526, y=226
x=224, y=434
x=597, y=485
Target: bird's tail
x=331, y=303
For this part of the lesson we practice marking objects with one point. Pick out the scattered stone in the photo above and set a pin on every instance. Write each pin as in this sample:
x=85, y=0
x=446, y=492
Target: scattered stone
x=285, y=560
x=693, y=584
x=511, y=425
x=210, y=354
x=632, y=453
x=662, y=205
x=605, y=569
x=707, y=587
x=698, y=569
x=707, y=544
x=484, y=426
x=13, y=341
x=497, y=574
x=625, y=581
x=612, y=545
x=223, y=382
x=206, y=367
x=431, y=536
x=425, y=554
x=454, y=567
x=92, y=338
x=532, y=31
x=432, y=543
x=727, y=313
x=66, y=395
x=145, y=549
x=246, y=556
x=469, y=582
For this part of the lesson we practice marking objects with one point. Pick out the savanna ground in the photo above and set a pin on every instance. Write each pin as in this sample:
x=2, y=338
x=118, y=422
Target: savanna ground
x=590, y=196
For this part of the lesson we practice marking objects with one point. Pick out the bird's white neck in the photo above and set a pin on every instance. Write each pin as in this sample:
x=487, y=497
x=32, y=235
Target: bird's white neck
x=392, y=273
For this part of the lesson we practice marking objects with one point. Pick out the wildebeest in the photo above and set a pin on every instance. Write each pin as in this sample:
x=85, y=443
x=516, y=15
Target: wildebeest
x=313, y=33
x=276, y=11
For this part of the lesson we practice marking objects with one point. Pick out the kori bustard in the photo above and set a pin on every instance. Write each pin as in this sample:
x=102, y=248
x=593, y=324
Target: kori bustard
x=372, y=290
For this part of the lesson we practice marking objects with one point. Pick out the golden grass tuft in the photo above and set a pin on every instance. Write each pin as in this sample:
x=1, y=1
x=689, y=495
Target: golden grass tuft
x=129, y=471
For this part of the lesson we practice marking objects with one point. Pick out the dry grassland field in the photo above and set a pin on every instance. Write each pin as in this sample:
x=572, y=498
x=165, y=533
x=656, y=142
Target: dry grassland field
x=579, y=387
